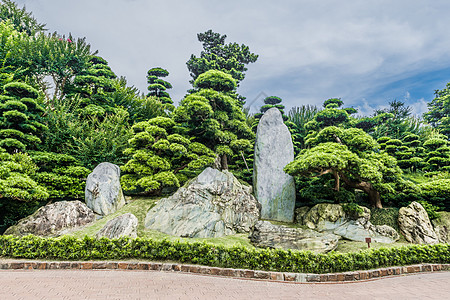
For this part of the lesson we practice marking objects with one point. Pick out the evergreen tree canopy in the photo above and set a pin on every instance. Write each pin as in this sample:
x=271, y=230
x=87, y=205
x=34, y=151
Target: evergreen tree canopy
x=22, y=20
x=438, y=114
x=157, y=87
x=215, y=118
x=348, y=154
x=19, y=117
x=161, y=157
x=229, y=58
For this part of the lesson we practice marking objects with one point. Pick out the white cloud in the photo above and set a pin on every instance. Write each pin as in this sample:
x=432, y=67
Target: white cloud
x=419, y=107
x=309, y=50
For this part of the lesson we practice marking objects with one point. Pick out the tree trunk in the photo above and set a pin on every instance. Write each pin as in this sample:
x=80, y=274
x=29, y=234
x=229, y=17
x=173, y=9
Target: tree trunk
x=224, y=162
x=366, y=187
x=374, y=195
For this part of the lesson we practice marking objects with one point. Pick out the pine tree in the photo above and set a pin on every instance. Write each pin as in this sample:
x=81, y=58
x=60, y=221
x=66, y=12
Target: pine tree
x=157, y=86
x=20, y=127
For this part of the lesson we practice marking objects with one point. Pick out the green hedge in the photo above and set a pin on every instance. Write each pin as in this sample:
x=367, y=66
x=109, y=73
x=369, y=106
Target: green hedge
x=69, y=248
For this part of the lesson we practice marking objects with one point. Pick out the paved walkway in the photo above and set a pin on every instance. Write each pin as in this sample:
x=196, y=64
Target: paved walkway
x=117, y=284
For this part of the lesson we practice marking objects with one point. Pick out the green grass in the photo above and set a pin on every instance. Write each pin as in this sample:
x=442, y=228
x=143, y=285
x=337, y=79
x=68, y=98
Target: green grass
x=140, y=205
x=345, y=246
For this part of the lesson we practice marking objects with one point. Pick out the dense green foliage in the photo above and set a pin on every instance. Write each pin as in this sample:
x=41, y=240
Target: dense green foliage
x=439, y=111
x=216, y=55
x=214, y=117
x=157, y=87
x=161, y=157
x=19, y=117
x=220, y=256
x=63, y=111
x=349, y=156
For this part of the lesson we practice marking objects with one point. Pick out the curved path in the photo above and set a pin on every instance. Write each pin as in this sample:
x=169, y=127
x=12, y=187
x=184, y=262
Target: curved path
x=117, y=284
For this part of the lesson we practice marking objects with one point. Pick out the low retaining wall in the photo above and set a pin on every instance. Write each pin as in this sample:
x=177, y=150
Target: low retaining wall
x=236, y=273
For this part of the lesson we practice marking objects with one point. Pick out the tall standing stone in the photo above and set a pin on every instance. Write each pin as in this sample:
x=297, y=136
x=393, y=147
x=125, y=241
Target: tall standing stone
x=103, y=191
x=274, y=189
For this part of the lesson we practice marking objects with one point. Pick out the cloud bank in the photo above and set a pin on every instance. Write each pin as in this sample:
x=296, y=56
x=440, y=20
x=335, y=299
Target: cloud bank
x=365, y=52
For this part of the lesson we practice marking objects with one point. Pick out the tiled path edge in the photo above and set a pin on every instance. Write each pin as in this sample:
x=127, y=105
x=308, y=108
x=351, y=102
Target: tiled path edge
x=236, y=273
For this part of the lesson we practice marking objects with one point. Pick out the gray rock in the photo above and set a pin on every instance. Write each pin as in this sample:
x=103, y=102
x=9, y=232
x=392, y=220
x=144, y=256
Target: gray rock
x=325, y=217
x=274, y=189
x=442, y=226
x=103, y=191
x=124, y=225
x=300, y=213
x=415, y=225
x=266, y=234
x=214, y=204
x=54, y=219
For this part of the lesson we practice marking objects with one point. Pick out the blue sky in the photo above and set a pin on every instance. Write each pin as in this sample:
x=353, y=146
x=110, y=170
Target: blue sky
x=366, y=52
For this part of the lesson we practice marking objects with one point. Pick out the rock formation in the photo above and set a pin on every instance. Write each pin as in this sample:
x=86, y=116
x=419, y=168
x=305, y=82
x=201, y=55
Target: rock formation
x=274, y=189
x=442, y=226
x=415, y=225
x=103, y=191
x=266, y=234
x=212, y=205
x=54, y=219
x=325, y=217
x=124, y=225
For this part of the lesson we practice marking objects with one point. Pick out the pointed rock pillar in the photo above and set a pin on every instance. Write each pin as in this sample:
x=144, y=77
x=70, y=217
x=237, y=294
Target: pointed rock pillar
x=274, y=189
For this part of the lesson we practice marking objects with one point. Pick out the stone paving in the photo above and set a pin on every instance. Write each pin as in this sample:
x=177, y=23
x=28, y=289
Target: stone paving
x=135, y=284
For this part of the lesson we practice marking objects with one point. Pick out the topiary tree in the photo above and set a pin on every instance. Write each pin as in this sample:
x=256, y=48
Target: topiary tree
x=349, y=156
x=60, y=174
x=216, y=55
x=408, y=151
x=19, y=117
x=161, y=157
x=437, y=154
x=157, y=87
x=215, y=119
x=20, y=195
x=94, y=87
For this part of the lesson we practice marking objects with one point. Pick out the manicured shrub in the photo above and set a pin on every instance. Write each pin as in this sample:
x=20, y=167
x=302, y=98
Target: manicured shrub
x=70, y=248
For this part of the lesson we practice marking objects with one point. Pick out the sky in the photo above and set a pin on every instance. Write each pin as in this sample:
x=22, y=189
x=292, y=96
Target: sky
x=367, y=52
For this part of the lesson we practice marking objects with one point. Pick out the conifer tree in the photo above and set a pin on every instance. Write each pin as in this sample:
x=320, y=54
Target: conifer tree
x=214, y=117
x=19, y=117
x=161, y=157
x=157, y=86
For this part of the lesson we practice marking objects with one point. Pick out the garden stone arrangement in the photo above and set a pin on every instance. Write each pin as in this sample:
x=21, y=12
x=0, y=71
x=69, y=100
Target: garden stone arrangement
x=268, y=235
x=54, y=219
x=206, y=175
x=122, y=226
x=325, y=217
x=103, y=191
x=274, y=189
x=415, y=225
x=214, y=204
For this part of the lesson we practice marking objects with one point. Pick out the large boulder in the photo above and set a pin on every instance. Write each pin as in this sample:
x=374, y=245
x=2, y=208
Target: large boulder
x=54, y=219
x=266, y=234
x=415, y=225
x=274, y=189
x=214, y=204
x=326, y=217
x=103, y=191
x=442, y=226
x=121, y=226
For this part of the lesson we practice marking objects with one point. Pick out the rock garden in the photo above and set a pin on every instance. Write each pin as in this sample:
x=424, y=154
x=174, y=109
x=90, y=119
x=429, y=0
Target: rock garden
x=100, y=171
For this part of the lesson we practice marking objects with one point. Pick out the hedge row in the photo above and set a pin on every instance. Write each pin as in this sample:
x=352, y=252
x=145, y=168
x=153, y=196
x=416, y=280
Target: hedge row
x=69, y=248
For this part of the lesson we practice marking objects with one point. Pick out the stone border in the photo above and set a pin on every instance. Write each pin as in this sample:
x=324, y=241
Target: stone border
x=226, y=272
